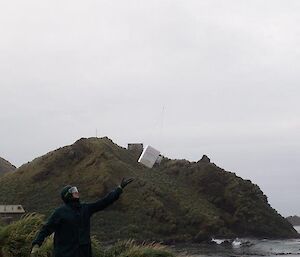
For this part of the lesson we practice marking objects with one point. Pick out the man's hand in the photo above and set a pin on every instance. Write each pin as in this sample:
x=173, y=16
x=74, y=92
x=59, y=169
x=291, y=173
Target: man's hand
x=35, y=249
x=125, y=182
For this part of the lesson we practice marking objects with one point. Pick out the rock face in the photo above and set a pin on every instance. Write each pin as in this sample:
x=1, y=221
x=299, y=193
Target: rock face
x=6, y=166
x=204, y=159
x=294, y=220
x=178, y=200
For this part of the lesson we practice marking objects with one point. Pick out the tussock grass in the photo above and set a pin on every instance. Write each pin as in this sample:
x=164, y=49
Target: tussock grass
x=131, y=249
x=16, y=238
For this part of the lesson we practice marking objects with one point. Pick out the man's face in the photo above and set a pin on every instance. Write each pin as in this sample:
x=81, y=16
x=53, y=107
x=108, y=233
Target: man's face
x=75, y=195
x=74, y=191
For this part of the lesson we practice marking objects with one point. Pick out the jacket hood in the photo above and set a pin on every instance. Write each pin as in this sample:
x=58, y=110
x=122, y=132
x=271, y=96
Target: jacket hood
x=65, y=195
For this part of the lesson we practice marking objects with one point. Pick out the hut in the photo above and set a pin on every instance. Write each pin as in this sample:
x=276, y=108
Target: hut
x=9, y=213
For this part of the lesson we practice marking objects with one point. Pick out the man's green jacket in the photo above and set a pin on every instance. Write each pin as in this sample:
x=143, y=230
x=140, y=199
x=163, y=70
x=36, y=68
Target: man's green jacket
x=71, y=227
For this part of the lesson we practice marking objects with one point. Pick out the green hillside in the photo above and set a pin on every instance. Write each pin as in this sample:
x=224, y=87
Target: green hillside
x=294, y=220
x=6, y=166
x=179, y=200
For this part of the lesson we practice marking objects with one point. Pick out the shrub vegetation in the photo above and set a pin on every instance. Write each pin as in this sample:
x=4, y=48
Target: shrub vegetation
x=16, y=238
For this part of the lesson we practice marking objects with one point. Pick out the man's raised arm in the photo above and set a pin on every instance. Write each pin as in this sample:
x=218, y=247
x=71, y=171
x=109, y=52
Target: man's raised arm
x=109, y=198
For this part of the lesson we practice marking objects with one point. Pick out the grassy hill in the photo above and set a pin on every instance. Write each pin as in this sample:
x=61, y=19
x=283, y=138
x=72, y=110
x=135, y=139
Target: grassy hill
x=294, y=220
x=179, y=200
x=6, y=166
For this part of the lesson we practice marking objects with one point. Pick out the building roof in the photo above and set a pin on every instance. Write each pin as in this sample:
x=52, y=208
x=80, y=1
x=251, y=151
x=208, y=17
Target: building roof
x=11, y=209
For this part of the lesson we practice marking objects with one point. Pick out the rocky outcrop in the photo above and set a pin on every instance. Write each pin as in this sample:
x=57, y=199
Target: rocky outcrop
x=204, y=159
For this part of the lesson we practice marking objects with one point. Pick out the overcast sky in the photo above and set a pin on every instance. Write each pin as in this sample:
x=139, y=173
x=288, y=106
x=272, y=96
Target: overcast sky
x=188, y=77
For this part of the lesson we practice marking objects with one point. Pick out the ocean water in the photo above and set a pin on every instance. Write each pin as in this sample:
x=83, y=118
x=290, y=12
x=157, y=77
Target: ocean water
x=243, y=247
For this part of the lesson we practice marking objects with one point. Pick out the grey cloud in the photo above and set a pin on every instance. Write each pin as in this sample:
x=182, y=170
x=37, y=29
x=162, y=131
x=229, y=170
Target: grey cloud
x=188, y=77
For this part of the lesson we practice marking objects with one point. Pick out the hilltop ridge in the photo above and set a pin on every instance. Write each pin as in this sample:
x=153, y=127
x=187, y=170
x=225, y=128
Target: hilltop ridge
x=6, y=166
x=294, y=220
x=178, y=200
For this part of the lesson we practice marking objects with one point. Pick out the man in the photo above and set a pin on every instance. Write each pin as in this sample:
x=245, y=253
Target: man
x=70, y=223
